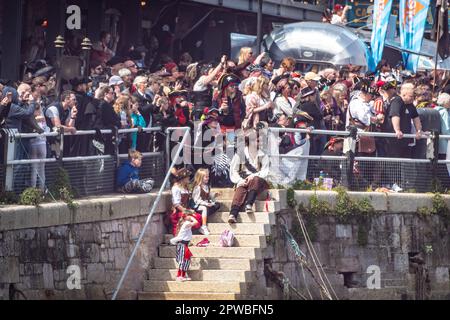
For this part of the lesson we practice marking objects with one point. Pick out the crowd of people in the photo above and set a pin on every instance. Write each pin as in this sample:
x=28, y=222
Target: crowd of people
x=250, y=92
x=220, y=101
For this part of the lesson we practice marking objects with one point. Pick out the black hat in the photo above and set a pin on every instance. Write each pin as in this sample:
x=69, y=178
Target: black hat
x=302, y=116
x=306, y=92
x=181, y=174
x=277, y=79
x=178, y=93
x=333, y=141
x=387, y=85
x=228, y=79
x=77, y=81
x=366, y=87
x=210, y=111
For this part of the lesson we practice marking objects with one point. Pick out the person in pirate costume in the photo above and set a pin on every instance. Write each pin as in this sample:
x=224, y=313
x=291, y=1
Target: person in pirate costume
x=178, y=101
x=181, y=240
x=205, y=140
x=334, y=147
x=203, y=87
x=248, y=170
x=230, y=103
x=180, y=196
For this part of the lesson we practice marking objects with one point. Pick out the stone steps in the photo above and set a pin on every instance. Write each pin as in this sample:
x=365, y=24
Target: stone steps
x=208, y=264
x=214, y=252
x=239, y=228
x=181, y=296
x=195, y=286
x=218, y=273
x=257, y=217
x=239, y=240
x=227, y=194
x=259, y=206
x=203, y=275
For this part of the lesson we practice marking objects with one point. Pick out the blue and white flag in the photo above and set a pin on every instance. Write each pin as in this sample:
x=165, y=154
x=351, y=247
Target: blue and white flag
x=381, y=15
x=413, y=15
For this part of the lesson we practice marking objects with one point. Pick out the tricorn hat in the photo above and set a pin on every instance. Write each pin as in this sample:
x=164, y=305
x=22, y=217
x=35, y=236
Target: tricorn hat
x=306, y=92
x=77, y=81
x=302, y=116
x=178, y=93
x=180, y=174
x=228, y=79
x=366, y=87
x=333, y=141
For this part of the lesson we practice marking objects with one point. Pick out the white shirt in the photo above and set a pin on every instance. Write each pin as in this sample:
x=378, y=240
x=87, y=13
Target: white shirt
x=177, y=191
x=235, y=166
x=196, y=196
x=361, y=111
x=185, y=233
x=283, y=105
x=337, y=20
x=200, y=85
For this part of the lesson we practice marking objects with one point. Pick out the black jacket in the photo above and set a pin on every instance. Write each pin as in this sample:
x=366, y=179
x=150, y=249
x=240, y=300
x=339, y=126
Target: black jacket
x=146, y=107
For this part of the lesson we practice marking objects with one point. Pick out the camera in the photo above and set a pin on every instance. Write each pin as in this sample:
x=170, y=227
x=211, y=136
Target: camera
x=323, y=83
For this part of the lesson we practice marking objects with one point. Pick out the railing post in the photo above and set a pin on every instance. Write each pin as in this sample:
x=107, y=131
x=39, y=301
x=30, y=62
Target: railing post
x=435, y=184
x=351, y=149
x=115, y=140
x=10, y=147
x=167, y=148
x=60, y=156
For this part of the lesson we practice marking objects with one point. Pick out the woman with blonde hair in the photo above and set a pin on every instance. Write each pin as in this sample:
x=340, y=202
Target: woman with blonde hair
x=257, y=103
x=204, y=202
x=245, y=55
x=340, y=94
x=122, y=109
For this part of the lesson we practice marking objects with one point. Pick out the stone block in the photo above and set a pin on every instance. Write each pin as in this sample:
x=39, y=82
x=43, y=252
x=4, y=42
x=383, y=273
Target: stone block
x=9, y=270
x=103, y=255
x=135, y=231
x=48, y=276
x=442, y=275
x=350, y=264
x=73, y=251
x=401, y=262
x=95, y=273
x=408, y=202
x=51, y=243
x=344, y=231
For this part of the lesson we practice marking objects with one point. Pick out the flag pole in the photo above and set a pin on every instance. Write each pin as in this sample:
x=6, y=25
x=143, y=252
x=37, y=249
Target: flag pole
x=436, y=55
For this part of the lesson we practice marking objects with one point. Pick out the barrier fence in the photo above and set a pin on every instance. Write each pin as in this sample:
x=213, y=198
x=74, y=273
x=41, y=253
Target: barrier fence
x=94, y=173
x=424, y=173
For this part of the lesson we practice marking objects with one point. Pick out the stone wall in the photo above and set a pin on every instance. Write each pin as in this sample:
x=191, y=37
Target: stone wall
x=41, y=247
x=395, y=240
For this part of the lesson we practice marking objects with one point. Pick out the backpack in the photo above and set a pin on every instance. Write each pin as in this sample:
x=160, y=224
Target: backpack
x=226, y=238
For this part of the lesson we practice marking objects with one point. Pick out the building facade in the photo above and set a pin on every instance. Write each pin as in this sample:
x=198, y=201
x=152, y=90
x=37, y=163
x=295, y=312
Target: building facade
x=202, y=27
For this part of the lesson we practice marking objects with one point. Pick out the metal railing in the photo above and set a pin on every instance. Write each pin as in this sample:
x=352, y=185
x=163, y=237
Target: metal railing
x=359, y=173
x=92, y=173
x=152, y=211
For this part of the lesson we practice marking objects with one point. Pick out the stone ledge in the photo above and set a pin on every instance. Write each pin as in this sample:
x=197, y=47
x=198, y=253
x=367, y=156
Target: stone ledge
x=382, y=202
x=103, y=208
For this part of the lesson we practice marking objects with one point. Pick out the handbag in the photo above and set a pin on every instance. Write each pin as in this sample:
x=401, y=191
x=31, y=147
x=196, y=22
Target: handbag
x=366, y=144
